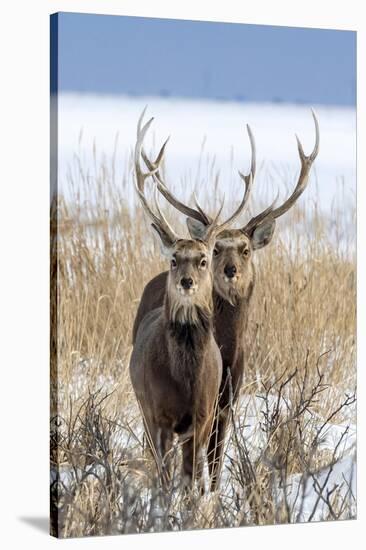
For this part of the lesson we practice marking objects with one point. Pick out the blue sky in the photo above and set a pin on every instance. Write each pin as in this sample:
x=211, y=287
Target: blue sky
x=141, y=56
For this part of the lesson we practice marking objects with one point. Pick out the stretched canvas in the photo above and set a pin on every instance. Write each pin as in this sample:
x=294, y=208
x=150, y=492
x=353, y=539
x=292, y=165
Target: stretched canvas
x=203, y=287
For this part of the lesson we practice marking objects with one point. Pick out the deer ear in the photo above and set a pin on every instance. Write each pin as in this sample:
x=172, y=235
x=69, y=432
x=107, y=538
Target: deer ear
x=263, y=233
x=197, y=230
x=166, y=244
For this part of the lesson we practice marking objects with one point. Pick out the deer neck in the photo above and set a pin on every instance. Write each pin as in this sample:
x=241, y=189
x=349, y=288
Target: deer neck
x=187, y=343
x=231, y=324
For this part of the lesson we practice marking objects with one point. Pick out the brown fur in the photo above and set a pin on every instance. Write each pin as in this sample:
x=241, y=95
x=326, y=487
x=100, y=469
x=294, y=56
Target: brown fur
x=176, y=365
x=231, y=293
x=231, y=302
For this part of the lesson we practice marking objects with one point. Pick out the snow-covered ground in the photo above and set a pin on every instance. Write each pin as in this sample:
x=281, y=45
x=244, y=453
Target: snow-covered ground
x=305, y=493
x=109, y=123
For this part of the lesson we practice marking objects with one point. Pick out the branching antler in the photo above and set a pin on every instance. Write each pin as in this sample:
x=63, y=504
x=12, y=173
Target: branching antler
x=306, y=164
x=212, y=227
x=159, y=222
x=199, y=214
x=247, y=178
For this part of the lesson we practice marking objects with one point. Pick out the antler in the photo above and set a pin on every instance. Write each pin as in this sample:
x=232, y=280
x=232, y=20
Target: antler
x=199, y=214
x=154, y=168
x=306, y=164
x=212, y=228
x=160, y=223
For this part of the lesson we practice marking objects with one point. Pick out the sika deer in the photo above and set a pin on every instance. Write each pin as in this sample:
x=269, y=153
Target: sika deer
x=176, y=366
x=234, y=280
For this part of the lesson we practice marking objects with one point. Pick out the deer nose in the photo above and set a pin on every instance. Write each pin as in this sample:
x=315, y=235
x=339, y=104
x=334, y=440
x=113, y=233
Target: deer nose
x=186, y=282
x=230, y=271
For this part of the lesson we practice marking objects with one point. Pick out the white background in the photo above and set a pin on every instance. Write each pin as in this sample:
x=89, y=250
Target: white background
x=24, y=287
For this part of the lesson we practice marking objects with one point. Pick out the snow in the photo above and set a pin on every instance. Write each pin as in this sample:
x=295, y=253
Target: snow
x=206, y=137
x=94, y=127
x=303, y=495
x=302, y=490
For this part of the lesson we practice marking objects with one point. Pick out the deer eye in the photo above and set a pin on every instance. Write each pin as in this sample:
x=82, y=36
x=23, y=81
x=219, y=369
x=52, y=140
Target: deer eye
x=203, y=262
x=173, y=263
x=246, y=252
x=215, y=252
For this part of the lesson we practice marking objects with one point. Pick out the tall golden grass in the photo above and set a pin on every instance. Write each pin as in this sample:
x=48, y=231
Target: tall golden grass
x=300, y=345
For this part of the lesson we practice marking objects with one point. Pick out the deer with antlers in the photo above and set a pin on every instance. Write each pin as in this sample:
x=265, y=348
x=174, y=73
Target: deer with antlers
x=233, y=282
x=176, y=365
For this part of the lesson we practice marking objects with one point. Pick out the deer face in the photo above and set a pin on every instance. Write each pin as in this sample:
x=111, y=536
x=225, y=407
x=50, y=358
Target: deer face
x=190, y=267
x=190, y=282
x=232, y=265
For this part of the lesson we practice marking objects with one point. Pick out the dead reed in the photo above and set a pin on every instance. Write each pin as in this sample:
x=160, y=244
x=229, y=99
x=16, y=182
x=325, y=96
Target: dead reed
x=299, y=373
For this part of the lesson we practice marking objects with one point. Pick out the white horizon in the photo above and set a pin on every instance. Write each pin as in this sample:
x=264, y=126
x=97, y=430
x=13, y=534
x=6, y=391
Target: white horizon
x=88, y=119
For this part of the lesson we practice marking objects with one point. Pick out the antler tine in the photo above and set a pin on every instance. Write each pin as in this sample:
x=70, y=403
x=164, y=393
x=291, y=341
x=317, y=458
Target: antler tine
x=213, y=229
x=248, y=181
x=253, y=163
x=306, y=164
x=200, y=214
x=206, y=217
x=142, y=176
x=154, y=167
x=157, y=206
x=248, y=185
x=256, y=220
x=139, y=122
x=141, y=132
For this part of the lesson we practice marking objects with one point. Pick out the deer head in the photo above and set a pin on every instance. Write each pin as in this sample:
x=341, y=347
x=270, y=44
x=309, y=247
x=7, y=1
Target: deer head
x=233, y=252
x=189, y=285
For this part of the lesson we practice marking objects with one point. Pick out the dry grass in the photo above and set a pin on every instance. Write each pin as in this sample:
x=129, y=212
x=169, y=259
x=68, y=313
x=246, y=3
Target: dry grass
x=300, y=362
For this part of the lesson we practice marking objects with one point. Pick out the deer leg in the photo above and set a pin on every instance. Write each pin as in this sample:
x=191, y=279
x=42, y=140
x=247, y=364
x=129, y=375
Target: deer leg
x=188, y=462
x=162, y=447
x=216, y=443
x=166, y=454
x=147, y=441
x=199, y=472
x=155, y=437
x=192, y=466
